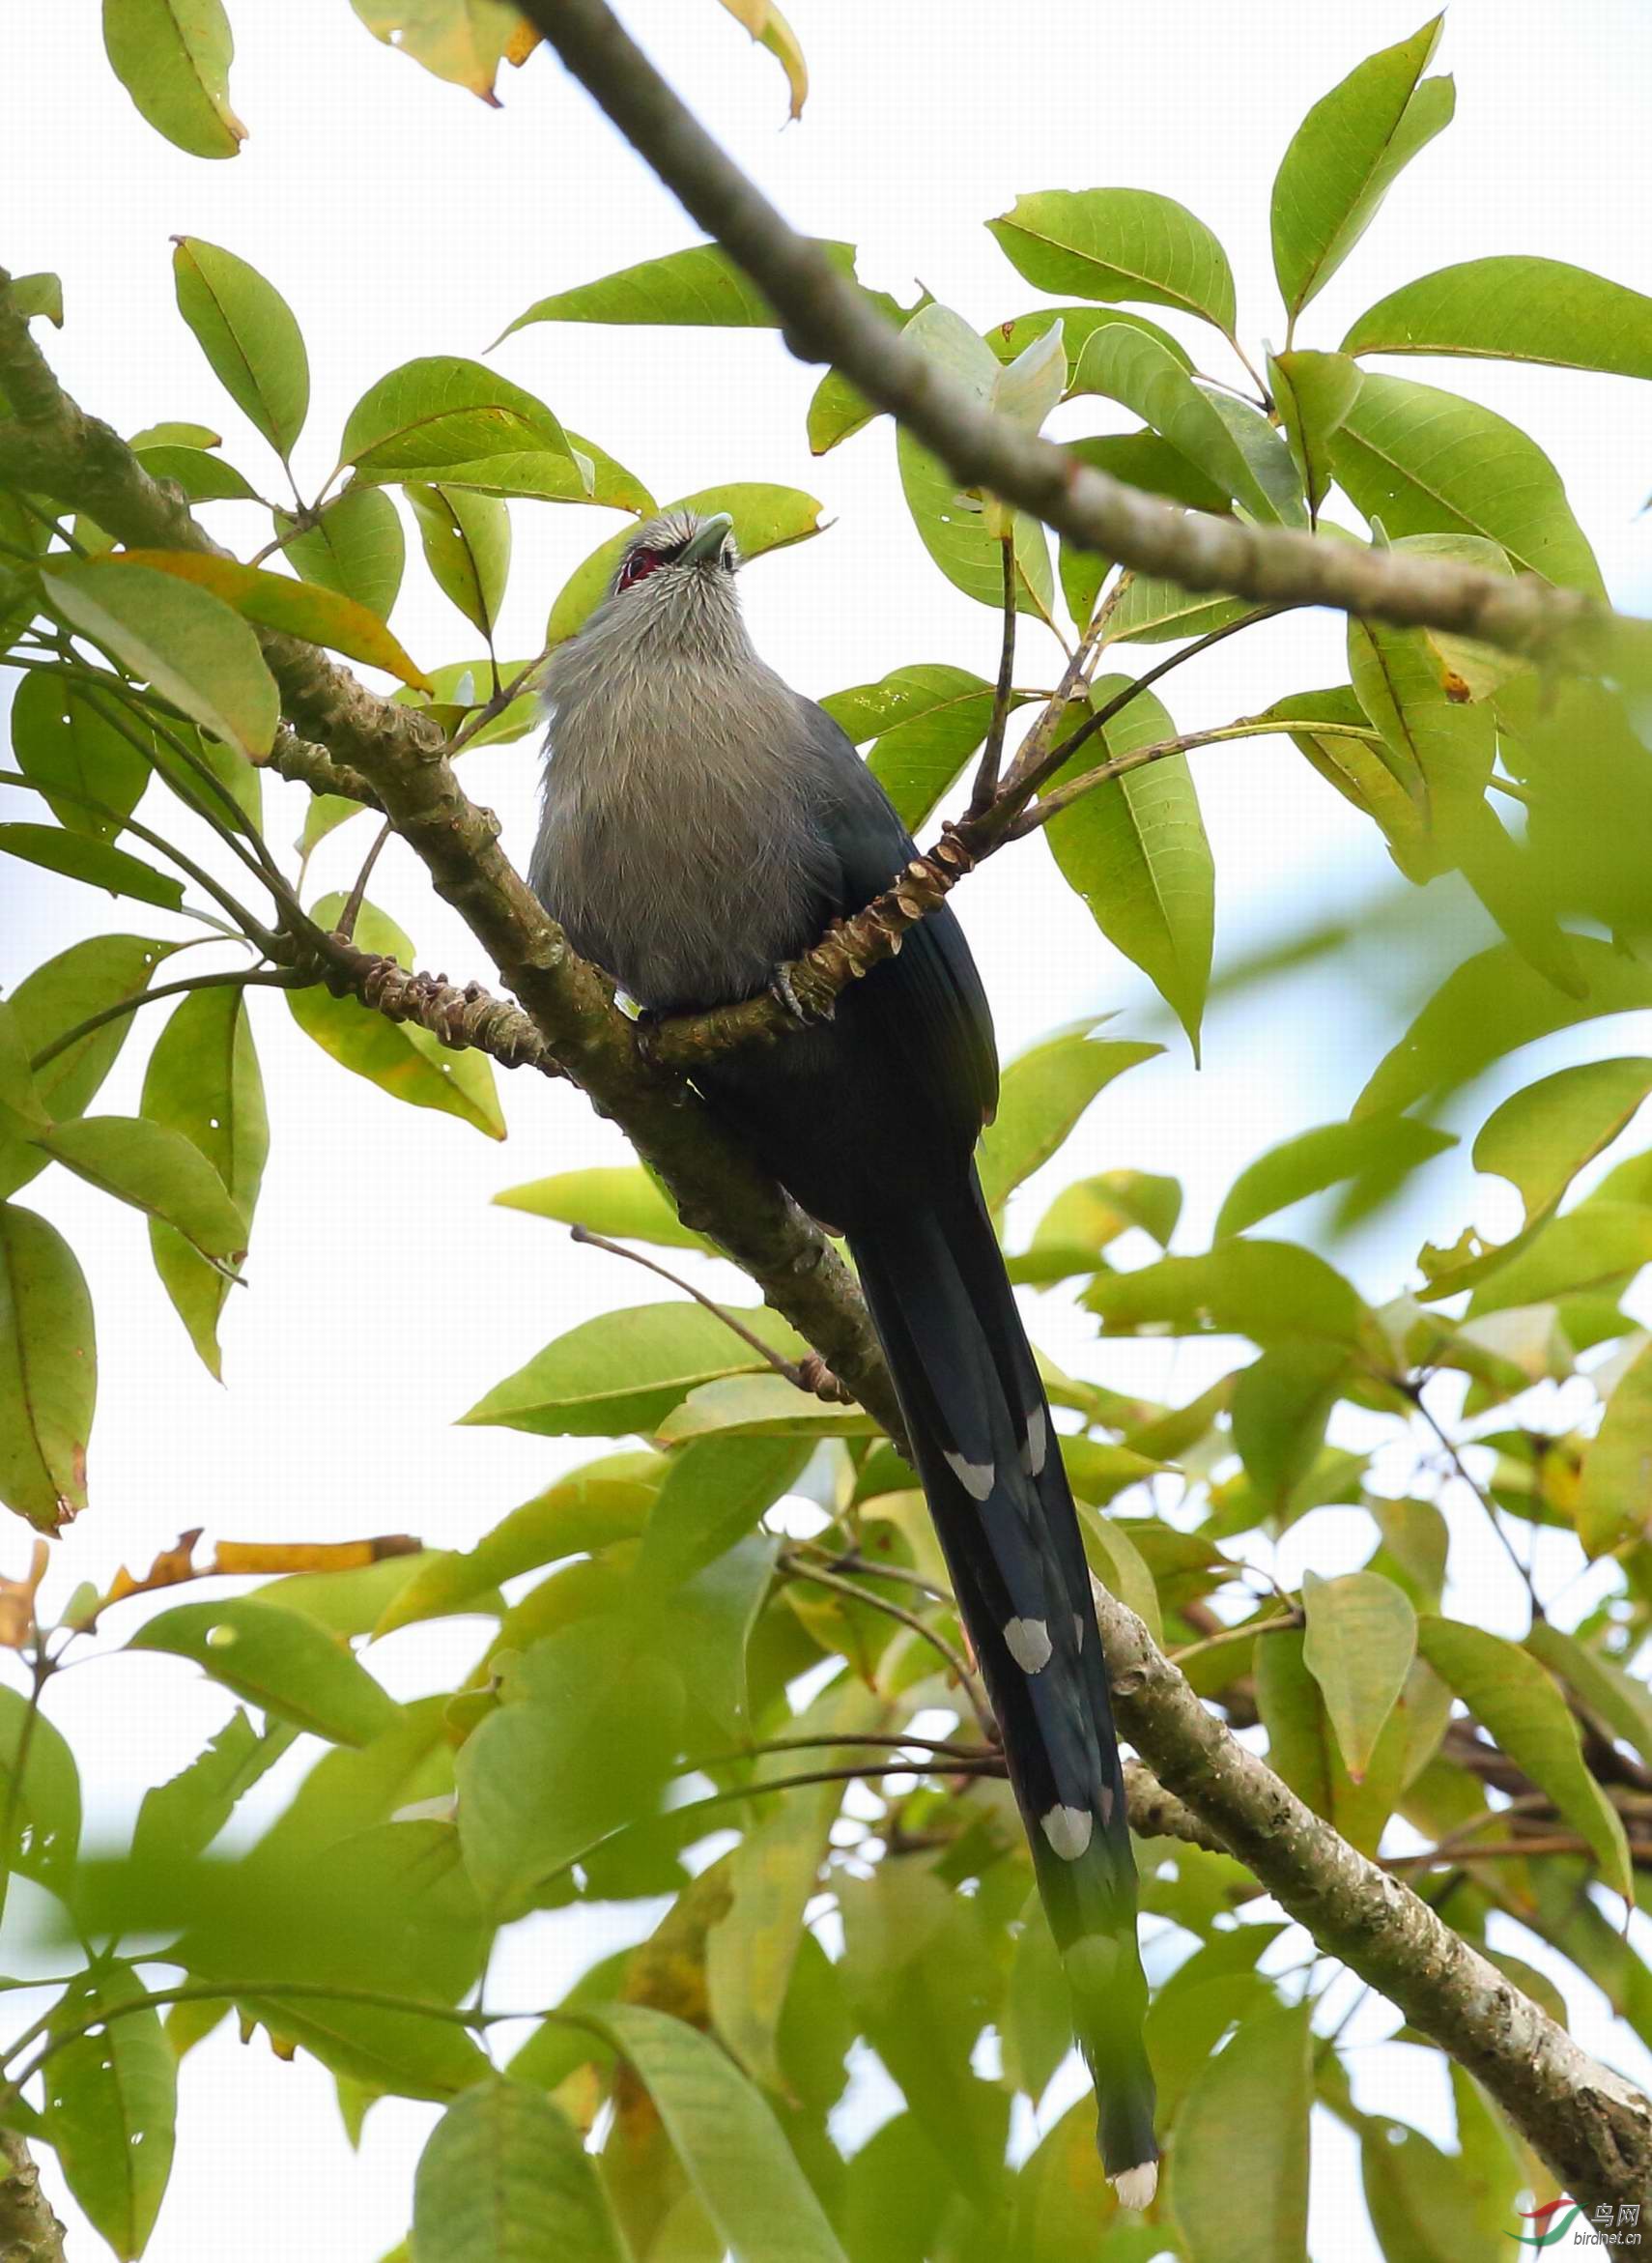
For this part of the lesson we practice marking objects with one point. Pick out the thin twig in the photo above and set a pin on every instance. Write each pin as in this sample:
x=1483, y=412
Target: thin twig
x=930, y=1744
x=794, y=1563
x=256, y=978
x=987, y=773
x=497, y=705
x=810, y=1374
x=1249, y=726
x=837, y=1560
x=344, y=926
x=1059, y=757
x=1210, y=1642
x=1414, y=1393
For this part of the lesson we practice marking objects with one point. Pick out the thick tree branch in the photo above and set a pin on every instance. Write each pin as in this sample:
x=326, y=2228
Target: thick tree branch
x=823, y=318
x=1592, y=2127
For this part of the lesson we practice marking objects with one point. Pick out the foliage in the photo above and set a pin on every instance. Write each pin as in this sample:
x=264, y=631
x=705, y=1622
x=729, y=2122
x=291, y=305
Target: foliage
x=674, y=1669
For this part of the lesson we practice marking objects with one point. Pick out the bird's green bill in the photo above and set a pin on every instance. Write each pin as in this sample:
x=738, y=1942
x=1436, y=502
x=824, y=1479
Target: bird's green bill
x=707, y=541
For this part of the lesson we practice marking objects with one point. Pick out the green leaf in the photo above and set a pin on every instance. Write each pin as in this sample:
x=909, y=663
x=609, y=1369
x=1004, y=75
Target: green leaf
x=279, y=1660
x=1154, y=612
x=954, y=527
x=702, y=287
x=1429, y=462
x=1009, y=339
x=40, y=1789
x=505, y=2177
x=1616, y=1481
x=1322, y=1157
x=1541, y=1137
x=1491, y=1005
x=173, y=58
x=1126, y=365
x=760, y=1405
x=69, y=990
x=204, y=477
x=1344, y=158
x=1439, y=750
x=153, y=1169
x=752, y=1953
x=441, y=409
x=1360, y=1638
x=1617, y=1700
x=1088, y=1216
x=765, y=518
x=1512, y=1697
x=1514, y=308
x=589, y=1510
x=1280, y=1406
x=22, y=1111
x=1270, y=1291
x=357, y=548
x=298, y=609
x=592, y=476
x=405, y=1061
x=1113, y=244
x=183, y=641
x=622, y=1201
x=1135, y=849
x=583, y=1745
x=48, y=1371
x=99, y=863
x=185, y=1815
x=174, y=433
x=1313, y=393
x=714, y=1492
x=61, y=739
x=1044, y=1092
x=111, y=2104
x=624, y=1371
x=926, y=722
x=734, y=2152
x=1251, y=2103
x=1359, y=772
x=466, y=547
x=247, y=331
x=203, y=1083
x=36, y=295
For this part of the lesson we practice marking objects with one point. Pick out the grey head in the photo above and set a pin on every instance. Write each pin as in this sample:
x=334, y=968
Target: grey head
x=674, y=583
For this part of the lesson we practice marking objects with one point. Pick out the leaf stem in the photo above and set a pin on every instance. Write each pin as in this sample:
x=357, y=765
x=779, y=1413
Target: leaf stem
x=275, y=979
x=987, y=773
x=1249, y=726
x=790, y=1562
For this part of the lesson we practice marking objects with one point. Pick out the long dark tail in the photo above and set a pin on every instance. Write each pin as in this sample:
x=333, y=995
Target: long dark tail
x=987, y=1451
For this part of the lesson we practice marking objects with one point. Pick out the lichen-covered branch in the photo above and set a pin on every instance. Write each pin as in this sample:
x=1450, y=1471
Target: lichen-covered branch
x=1592, y=2127
x=823, y=318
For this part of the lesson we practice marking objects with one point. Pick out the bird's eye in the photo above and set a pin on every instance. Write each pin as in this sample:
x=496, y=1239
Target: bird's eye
x=639, y=563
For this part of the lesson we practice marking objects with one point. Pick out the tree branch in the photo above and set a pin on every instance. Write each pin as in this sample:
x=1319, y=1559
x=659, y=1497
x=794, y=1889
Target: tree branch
x=823, y=318
x=29, y=2232
x=1591, y=2127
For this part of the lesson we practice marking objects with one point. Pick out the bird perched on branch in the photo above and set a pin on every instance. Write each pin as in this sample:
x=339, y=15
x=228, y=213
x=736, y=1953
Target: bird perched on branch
x=702, y=825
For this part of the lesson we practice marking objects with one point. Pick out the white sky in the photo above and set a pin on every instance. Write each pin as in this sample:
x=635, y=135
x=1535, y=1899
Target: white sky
x=401, y=217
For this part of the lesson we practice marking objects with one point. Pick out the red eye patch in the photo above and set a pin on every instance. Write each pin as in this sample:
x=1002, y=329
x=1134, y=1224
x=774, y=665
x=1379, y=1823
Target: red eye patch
x=638, y=565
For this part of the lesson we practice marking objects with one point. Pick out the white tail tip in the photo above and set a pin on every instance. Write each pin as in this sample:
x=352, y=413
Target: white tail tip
x=1137, y=2187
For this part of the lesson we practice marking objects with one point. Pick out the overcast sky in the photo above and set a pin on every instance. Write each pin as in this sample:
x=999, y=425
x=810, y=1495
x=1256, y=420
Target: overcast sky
x=401, y=217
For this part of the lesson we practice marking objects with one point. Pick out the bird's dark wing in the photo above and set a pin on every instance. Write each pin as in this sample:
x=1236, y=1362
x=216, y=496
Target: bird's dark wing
x=855, y=1114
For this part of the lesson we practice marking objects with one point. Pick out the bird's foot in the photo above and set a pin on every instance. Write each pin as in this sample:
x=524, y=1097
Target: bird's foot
x=783, y=987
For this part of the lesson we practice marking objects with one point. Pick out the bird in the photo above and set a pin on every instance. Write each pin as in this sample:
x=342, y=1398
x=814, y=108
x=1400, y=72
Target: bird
x=702, y=823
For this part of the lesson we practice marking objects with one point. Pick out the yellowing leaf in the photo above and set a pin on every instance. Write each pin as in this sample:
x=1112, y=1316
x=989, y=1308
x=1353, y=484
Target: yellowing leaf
x=462, y=41
x=298, y=609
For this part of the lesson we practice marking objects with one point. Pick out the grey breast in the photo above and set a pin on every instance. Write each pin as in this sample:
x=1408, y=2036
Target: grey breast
x=678, y=844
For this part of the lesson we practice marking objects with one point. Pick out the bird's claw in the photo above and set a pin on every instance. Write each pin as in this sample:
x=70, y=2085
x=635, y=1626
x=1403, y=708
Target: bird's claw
x=782, y=987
